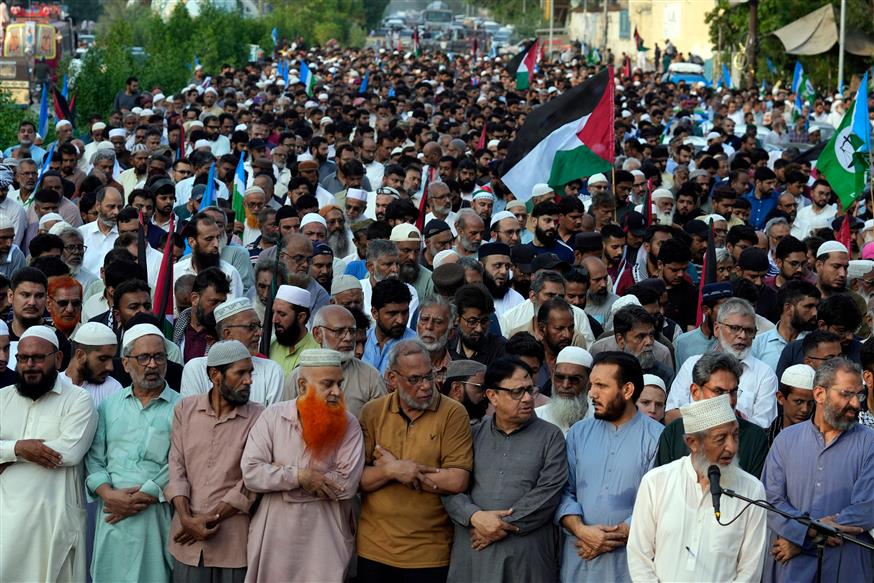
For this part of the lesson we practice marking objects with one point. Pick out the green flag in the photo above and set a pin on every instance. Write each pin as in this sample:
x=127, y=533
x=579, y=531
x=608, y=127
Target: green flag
x=841, y=162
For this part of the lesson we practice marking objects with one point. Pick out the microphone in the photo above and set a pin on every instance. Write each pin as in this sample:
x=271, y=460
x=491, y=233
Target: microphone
x=713, y=475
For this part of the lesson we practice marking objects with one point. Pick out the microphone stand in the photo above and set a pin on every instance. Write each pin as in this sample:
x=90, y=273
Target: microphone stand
x=823, y=531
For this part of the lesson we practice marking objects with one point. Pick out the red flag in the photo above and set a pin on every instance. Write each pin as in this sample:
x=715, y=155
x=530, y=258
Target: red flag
x=481, y=144
x=164, y=284
x=626, y=72
x=843, y=235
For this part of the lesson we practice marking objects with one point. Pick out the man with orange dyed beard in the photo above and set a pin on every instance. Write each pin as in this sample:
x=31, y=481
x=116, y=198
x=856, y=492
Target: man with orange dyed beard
x=65, y=303
x=306, y=456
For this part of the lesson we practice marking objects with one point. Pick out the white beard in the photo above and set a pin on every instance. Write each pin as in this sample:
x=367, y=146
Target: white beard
x=665, y=218
x=738, y=354
x=568, y=411
x=701, y=464
x=338, y=241
x=346, y=356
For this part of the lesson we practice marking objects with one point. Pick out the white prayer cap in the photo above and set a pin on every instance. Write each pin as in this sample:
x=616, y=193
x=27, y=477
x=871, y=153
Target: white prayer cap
x=137, y=332
x=98, y=126
x=325, y=120
x=196, y=123
x=706, y=414
x=211, y=90
x=483, y=195
x=655, y=381
x=356, y=194
x=638, y=174
x=62, y=123
x=305, y=157
x=442, y=256
x=405, y=233
x=344, y=283
x=830, y=247
x=662, y=193
x=798, y=376
x=60, y=227
x=4, y=329
x=397, y=151
x=5, y=222
x=231, y=308
x=713, y=135
x=43, y=332
x=627, y=300
x=294, y=295
x=511, y=204
x=493, y=144
x=136, y=110
x=227, y=352
x=318, y=357
x=49, y=217
x=310, y=104
x=574, y=355
x=94, y=334
x=540, y=189
x=253, y=190
x=313, y=218
x=240, y=127
x=501, y=216
x=859, y=268
x=323, y=96
x=869, y=224
x=147, y=113
x=713, y=217
x=202, y=144
x=158, y=97
x=597, y=179
x=117, y=133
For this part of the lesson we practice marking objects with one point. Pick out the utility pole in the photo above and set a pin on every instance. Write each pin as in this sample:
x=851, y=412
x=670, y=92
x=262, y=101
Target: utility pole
x=605, y=28
x=753, y=43
x=841, y=46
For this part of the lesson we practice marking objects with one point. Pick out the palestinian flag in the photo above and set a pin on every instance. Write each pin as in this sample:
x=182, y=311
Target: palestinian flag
x=842, y=161
x=564, y=139
x=522, y=65
x=638, y=41
x=239, y=187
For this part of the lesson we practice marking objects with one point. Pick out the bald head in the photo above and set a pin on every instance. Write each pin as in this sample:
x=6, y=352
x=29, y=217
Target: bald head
x=334, y=328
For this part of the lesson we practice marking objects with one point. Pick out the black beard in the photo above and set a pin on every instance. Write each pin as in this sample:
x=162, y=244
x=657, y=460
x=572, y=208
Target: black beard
x=89, y=377
x=205, y=260
x=523, y=287
x=497, y=291
x=408, y=272
x=548, y=239
x=467, y=185
x=232, y=396
x=473, y=345
x=475, y=411
x=288, y=336
x=34, y=391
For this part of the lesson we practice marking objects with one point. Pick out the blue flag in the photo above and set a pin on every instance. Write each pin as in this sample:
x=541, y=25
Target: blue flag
x=726, y=76
x=65, y=88
x=285, y=72
x=363, y=87
x=391, y=91
x=796, y=76
x=861, y=125
x=47, y=161
x=274, y=34
x=43, y=128
x=772, y=68
x=209, y=196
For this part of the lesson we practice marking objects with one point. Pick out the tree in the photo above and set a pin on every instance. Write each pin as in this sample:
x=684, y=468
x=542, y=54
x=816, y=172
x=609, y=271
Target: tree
x=733, y=22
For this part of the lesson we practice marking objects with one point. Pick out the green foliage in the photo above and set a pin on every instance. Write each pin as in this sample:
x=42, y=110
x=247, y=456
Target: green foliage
x=215, y=37
x=373, y=12
x=10, y=116
x=773, y=14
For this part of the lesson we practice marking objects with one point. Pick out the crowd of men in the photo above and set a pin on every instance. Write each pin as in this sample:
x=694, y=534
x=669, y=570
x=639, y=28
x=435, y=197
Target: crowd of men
x=384, y=366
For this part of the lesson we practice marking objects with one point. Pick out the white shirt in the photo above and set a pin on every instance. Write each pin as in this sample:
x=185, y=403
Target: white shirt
x=508, y=302
x=675, y=537
x=522, y=314
x=184, y=266
x=449, y=220
x=807, y=220
x=98, y=245
x=375, y=171
x=43, y=511
x=183, y=190
x=14, y=211
x=97, y=392
x=267, y=380
x=368, y=292
x=756, y=395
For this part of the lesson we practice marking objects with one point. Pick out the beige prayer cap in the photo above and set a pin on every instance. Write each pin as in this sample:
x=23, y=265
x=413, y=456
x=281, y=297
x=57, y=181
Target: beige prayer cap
x=344, y=283
x=313, y=357
x=703, y=415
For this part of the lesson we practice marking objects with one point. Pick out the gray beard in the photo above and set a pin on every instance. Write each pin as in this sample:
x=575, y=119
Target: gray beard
x=438, y=345
x=568, y=411
x=338, y=241
x=740, y=355
x=701, y=464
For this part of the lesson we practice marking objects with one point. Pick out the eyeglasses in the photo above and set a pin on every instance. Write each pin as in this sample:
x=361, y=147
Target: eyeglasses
x=737, y=330
x=35, y=358
x=474, y=322
x=340, y=332
x=64, y=304
x=73, y=248
x=416, y=380
x=160, y=358
x=848, y=395
x=823, y=358
x=251, y=327
x=517, y=394
x=567, y=378
x=296, y=258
